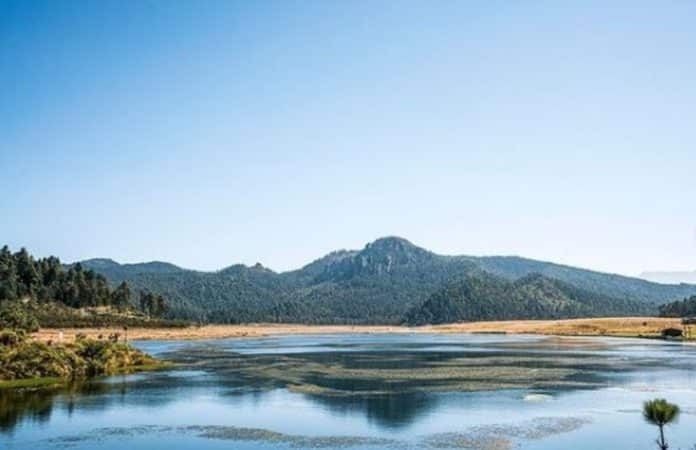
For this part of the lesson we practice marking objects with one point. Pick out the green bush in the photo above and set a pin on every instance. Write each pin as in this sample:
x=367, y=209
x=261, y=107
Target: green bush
x=672, y=332
x=83, y=358
x=16, y=317
x=12, y=337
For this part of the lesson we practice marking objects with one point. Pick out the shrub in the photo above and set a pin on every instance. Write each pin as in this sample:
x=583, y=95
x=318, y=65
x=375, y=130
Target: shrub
x=14, y=316
x=672, y=332
x=12, y=337
x=83, y=358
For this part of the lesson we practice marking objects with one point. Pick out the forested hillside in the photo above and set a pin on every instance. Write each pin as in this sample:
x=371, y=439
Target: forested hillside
x=379, y=284
x=513, y=267
x=45, y=292
x=680, y=308
x=482, y=296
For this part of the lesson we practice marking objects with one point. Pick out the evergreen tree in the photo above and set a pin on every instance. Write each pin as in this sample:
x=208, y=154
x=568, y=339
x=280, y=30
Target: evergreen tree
x=121, y=296
x=46, y=280
x=8, y=275
x=27, y=274
x=146, y=302
x=160, y=306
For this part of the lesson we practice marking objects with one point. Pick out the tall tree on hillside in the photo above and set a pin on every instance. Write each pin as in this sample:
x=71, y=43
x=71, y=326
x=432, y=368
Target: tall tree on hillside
x=121, y=296
x=8, y=275
x=27, y=274
x=160, y=306
x=152, y=305
x=659, y=412
x=147, y=301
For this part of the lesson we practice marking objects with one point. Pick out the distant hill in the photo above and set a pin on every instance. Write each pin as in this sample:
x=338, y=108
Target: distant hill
x=105, y=265
x=670, y=277
x=513, y=267
x=380, y=283
x=482, y=296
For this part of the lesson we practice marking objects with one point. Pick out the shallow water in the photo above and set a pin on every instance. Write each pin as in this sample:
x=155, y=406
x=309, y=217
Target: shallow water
x=492, y=392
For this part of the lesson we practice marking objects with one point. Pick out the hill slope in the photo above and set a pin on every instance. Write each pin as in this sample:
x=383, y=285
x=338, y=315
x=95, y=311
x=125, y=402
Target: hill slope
x=482, y=296
x=377, y=284
x=513, y=267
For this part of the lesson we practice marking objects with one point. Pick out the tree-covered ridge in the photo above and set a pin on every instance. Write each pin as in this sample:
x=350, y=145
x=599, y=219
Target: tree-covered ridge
x=375, y=285
x=680, y=308
x=483, y=296
x=613, y=285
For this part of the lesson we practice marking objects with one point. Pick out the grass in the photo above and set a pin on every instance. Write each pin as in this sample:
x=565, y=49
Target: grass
x=151, y=367
x=645, y=327
x=33, y=383
x=49, y=382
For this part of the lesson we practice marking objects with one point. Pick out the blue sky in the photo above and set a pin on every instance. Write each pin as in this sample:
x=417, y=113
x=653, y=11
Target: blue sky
x=210, y=133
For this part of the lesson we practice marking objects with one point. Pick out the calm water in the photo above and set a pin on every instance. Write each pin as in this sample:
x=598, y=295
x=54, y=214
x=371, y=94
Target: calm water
x=370, y=391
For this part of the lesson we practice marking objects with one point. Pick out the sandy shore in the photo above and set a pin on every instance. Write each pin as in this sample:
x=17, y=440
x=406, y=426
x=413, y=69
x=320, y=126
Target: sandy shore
x=609, y=326
x=622, y=326
x=216, y=331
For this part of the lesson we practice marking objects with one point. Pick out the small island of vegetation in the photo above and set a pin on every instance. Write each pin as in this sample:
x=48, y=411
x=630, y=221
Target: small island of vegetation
x=36, y=293
x=26, y=362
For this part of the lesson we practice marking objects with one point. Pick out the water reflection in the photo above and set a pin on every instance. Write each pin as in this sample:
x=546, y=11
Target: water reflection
x=392, y=411
x=16, y=406
x=384, y=385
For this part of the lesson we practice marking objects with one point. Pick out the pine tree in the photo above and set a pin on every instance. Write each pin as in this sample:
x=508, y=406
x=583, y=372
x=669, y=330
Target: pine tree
x=8, y=275
x=27, y=274
x=121, y=296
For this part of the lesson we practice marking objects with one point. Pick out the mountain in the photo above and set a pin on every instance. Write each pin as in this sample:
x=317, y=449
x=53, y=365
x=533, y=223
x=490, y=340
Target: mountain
x=122, y=271
x=379, y=283
x=670, y=277
x=513, y=267
x=482, y=296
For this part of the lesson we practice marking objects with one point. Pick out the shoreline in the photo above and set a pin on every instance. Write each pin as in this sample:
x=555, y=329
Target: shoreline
x=649, y=327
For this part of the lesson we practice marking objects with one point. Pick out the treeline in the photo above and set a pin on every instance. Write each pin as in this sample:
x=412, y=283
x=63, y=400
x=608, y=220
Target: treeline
x=47, y=281
x=680, y=308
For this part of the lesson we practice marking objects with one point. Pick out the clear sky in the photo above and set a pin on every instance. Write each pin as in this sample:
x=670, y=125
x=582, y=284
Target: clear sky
x=210, y=133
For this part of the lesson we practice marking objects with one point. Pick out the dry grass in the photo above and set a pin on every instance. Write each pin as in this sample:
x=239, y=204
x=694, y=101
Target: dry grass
x=215, y=331
x=613, y=326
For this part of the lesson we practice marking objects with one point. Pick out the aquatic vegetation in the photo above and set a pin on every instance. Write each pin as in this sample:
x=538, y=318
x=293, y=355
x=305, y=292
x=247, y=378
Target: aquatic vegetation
x=503, y=436
x=660, y=413
x=295, y=441
x=355, y=373
x=23, y=362
x=489, y=437
x=229, y=433
x=368, y=392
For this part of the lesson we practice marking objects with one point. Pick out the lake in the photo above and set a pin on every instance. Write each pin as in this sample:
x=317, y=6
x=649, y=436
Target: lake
x=369, y=391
